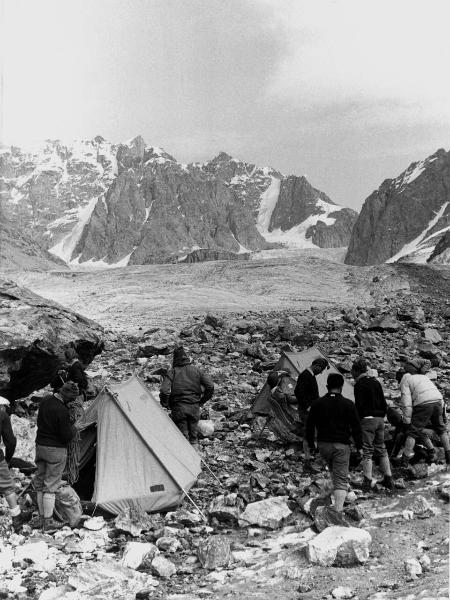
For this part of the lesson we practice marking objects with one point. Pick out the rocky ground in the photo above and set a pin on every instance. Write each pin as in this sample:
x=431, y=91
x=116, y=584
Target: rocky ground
x=263, y=513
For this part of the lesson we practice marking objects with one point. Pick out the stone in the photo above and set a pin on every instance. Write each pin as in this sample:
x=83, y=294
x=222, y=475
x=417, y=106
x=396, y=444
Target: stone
x=205, y=427
x=168, y=544
x=422, y=508
x=135, y=553
x=37, y=552
x=443, y=491
x=428, y=350
x=385, y=323
x=57, y=593
x=326, y=516
x=339, y=546
x=163, y=567
x=269, y=513
x=417, y=471
x=94, y=523
x=413, y=568
x=222, y=511
x=432, y=335
x=342, y=593
x=134, y=521
x=6, y=558
x=214, y=552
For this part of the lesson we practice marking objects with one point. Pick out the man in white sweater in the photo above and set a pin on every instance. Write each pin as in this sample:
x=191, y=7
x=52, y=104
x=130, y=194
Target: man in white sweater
x=422, y=406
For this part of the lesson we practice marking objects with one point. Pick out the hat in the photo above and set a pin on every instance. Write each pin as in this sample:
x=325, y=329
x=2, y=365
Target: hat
x=320, y=362
x=360, y=365
x=4, y=401
x=69, y=390
x=179, y=355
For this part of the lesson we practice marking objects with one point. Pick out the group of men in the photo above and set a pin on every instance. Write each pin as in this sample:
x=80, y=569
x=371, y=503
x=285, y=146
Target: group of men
x=333, y=421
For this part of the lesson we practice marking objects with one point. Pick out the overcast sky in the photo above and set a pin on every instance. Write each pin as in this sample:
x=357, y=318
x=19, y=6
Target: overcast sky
x=346, y=92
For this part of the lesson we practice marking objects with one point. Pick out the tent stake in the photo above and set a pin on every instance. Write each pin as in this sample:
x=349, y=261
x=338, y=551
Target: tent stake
x=191, y=500
x=218, y=480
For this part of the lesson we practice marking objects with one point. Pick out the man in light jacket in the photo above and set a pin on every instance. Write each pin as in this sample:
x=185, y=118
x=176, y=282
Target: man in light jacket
x=422, y=405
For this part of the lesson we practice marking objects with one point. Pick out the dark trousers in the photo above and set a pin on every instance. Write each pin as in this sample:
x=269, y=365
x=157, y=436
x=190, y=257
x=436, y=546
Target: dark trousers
x=426, y=414
x=186, y=418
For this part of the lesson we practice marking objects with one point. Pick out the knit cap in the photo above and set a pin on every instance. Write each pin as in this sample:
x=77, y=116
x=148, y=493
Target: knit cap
x=179, y=355
x=69, y=390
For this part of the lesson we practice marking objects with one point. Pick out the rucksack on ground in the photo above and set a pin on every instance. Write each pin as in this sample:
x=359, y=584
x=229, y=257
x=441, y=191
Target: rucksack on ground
x=68, y=505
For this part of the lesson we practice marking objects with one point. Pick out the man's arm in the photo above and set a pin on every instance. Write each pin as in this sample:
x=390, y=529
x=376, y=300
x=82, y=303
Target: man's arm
x=310, y=430
x=66, y=430
x=359, y=398
x=355, y=426
x=7, y=434
x=406, y=399
x=165, y=390
x=208, y=386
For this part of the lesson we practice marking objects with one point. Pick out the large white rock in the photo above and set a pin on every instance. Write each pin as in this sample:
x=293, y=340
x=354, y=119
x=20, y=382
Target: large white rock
x=206, y=427
x=6, y=558
x=269, y=513
x=340, y=546
x=135, y=553
x=162, y=567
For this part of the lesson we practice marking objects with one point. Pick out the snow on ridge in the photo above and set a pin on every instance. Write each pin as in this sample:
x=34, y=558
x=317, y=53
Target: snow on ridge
x=269, y=199
x=65, y=247
x=414, y=245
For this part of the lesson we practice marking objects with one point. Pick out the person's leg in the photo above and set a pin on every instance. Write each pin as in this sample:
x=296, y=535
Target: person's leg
x=420, y=417
x=380, y=451
x=193, y=417
x=179, y=418
x=437, y=423
x=340, y=468
x=368, y=427
x=55, y=459
x=7, y=488
x=38, y=484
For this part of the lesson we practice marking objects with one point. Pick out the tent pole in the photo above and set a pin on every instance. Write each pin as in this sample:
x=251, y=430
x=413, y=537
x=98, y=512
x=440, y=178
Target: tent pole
x=218, y=480
x=192, y=501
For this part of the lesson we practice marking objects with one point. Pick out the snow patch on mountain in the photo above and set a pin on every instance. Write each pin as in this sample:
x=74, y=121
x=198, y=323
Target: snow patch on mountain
x=269, y=198
x=417, y=246
x=65, y=247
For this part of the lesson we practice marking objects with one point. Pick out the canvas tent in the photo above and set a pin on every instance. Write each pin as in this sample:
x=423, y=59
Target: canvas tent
x=295, y=363
x=132, y=454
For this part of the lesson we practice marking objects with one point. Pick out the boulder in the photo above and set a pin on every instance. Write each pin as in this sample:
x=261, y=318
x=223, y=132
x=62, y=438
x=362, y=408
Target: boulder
x=34, y=333
x=134, y=521
x=135, y=553
x=205, y=427
x=168, y=544
x=326, y=516
x=432, y=335
x=413, y=568
x=269, y=513
x=428, y=350
x=36, y=552
x=163, y=567
x=340, y=546
x=214, y=552
x=385, y=323
x=224, y=511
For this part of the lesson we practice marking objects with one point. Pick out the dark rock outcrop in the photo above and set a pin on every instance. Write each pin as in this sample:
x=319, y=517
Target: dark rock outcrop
x=406, y=217
x=205, y=254
x=441, y=252
x=34, y=333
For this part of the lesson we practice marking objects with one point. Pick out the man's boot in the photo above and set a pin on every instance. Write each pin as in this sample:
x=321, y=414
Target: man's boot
x=431, y=456
x=367, y=484
x=50, y=525
x=20, y=519
x=447, y=457
x=388, y=482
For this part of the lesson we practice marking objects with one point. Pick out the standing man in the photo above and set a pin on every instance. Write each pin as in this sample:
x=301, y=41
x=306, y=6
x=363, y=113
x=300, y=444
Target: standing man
x=184, y=388
x=422, y=406
x=371, y=407
x=335, y=420
x=7, y=487
x=54, y=433
x=75, y=371
x=306, y=391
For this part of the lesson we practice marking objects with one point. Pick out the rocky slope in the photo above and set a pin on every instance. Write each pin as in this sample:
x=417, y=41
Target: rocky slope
x=33, y=335
x=441, y=252
x=134, y=204
x=18, y=252
x=406, y=217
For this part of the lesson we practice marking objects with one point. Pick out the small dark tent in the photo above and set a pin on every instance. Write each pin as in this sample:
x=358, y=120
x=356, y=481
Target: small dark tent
x=141, y=458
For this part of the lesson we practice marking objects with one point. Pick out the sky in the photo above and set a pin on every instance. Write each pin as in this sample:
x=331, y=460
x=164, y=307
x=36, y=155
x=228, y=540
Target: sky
x=346, y=92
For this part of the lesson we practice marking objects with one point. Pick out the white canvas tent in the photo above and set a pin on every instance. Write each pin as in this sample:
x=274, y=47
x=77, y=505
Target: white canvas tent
x=141, y=458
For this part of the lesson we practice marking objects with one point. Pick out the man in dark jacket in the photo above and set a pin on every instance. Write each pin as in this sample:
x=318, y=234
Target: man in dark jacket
x=335, y=419
x=7, y=487
x=307, y=390
x=184, y=388
x=371, y=408
x=54, y=433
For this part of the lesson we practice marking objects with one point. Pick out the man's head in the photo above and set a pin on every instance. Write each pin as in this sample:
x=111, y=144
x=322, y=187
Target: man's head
x=399, y=375
x=359, y=367
x=414, y=366
x=335, y=382
x=179, y=356
x=69, y=391
x=318, y=365
x=70, y=354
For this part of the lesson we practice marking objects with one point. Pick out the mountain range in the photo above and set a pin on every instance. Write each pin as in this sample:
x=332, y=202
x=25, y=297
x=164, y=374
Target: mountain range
x=95, y=203
x=98, y=203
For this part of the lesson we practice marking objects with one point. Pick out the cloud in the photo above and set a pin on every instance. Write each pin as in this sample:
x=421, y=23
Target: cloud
x=386, y=59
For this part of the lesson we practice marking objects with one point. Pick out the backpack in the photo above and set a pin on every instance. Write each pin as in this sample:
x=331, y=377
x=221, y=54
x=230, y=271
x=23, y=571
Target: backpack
x=68, y=505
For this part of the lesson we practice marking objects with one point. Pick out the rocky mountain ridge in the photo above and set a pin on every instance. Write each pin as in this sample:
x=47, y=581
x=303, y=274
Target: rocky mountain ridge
x=105, y=204
x=405, y=219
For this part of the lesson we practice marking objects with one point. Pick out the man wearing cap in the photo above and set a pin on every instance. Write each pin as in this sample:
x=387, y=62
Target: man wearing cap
x=335, y=419
x=422, y=405
x=54, y=433
x=184, y=388
x=371, y=407
x=7, y=487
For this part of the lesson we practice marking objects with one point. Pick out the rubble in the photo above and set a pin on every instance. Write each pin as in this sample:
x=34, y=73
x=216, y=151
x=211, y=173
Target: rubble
x=214, y=552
